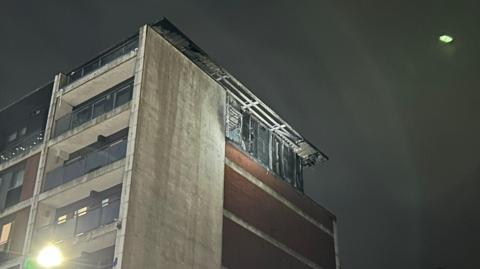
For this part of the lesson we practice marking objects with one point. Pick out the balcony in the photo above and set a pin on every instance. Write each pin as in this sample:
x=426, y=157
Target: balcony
x=105, y=58
x=107, y=71
x=84, y=164
x=100, y=259
x=22, y=147
x=116, y=97
x=81, y=224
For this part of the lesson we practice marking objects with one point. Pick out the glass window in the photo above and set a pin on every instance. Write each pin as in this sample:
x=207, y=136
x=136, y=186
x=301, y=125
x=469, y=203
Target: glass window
x=12, y=136
x=5, y=235
x=288, y=161
x=253, y=137
x=81, y=116
x=17, y=179
x=123, y=96
x=105, y=202
x=112, y=56
x=23, y=131
x=234, y=125
x=91, y=67
x=263, y=140
x=82, y=211
x=13, y=197
x=276, y=156
x=102, y=106
x=246, y=132
x=62, y=219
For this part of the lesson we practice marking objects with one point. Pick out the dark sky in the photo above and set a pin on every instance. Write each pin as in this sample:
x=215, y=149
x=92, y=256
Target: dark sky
x=366, y=81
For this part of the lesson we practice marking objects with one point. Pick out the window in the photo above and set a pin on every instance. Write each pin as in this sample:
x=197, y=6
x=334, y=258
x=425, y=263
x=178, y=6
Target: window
x=17, y=179
x=123, y=96
x=263, y=141
x=5, y=235
x=12, y=137
x=62, y=219
x=91, y=66
x=102, y=106
x=23, y=131
x=14, y=187
x=82, y=211
x=234, y=125
x=81, y=116
x=105, y=202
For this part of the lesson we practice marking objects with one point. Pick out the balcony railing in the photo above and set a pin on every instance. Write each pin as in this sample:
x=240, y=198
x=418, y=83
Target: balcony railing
x=117, y=96
x=105, y=58
x=80, y=224
x=84, y=164
x=24, y=145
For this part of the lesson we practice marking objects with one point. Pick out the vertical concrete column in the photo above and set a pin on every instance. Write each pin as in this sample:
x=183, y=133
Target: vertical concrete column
x=175, y=200
x=59, y=79
x=335, y=238
x=127, y=175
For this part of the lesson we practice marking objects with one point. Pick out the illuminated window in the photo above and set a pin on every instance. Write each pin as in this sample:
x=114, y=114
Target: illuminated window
x=105, y=202
x=62, y=219
x=4, y=236
x=82, y=211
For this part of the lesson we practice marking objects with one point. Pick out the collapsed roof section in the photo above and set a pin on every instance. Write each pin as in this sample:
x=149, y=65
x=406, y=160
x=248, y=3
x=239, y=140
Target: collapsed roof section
x=249, y=102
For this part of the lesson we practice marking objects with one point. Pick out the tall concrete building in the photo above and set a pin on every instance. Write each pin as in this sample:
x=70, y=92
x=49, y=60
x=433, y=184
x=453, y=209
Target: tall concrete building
x=152, y=156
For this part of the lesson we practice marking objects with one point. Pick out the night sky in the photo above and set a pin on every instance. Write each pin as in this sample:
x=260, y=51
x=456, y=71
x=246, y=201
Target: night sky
x=368, y=82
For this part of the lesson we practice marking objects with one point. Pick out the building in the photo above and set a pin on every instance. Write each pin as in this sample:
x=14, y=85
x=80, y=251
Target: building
x=152, y=156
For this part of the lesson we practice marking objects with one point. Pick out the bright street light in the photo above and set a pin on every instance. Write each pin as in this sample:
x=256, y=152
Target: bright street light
x=50, y=256
x=445, y=39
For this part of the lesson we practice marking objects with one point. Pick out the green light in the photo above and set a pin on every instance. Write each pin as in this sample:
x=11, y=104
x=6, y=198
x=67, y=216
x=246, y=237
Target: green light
x=445, y=39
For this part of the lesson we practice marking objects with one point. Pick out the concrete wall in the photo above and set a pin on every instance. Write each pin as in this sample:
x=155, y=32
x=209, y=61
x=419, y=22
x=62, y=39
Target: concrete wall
x=174, y=217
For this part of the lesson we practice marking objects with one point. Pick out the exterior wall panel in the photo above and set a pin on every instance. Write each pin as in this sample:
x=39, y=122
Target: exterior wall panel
x=31, y=167
x=313, y=209
x=269, y=215
x=243, y=249
x=175, y=206
x=19, y=230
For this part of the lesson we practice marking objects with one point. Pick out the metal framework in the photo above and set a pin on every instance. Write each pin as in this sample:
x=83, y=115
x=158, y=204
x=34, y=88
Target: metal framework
x=249, y=102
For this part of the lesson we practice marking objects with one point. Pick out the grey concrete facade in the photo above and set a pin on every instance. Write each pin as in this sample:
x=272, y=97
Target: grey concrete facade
x=175, y=205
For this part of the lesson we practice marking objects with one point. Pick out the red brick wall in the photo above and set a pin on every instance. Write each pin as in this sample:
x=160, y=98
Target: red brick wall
x=309, y=206
x=241, y=248
x=31, y=167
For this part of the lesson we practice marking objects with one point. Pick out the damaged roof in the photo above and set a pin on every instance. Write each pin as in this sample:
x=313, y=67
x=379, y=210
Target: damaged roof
x=306, y=150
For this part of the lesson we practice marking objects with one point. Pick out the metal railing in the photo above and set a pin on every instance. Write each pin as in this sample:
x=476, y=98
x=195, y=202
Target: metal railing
x=25, y=144
x=122, y=49
x=84, y=164
x=117, y=96
x=80, y=224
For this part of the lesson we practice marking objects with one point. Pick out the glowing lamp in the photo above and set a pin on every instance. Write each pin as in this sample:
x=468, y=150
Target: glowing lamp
x=50, y=256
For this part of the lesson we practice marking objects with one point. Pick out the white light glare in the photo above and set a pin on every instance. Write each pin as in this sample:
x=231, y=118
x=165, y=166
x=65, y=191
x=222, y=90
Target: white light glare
x=50, y=256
